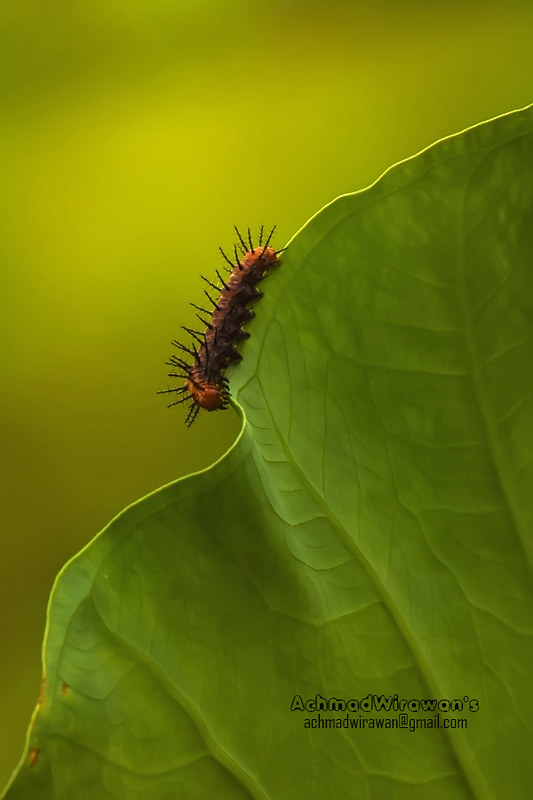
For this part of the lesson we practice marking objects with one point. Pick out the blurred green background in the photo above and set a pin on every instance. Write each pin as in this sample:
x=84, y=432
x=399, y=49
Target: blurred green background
x=133, y=136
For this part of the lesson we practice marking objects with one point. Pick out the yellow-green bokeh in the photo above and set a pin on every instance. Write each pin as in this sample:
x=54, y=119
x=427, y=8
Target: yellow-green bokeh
x=133, y=136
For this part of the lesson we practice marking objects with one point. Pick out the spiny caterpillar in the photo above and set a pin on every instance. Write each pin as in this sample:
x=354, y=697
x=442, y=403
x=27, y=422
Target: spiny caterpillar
x=212, y=351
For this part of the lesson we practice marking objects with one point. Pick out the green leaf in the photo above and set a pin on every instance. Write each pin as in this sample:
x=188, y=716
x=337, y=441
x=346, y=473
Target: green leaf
x=369, y=532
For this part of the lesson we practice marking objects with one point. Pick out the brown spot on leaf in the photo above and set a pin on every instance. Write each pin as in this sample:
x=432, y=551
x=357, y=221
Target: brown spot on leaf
x=33, y=755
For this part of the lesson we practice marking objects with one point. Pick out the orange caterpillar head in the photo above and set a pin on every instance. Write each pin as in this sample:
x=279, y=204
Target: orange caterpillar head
x=208, y=396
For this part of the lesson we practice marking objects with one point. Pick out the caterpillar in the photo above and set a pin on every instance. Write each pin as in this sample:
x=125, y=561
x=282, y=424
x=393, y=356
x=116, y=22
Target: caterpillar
x=206, y=385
